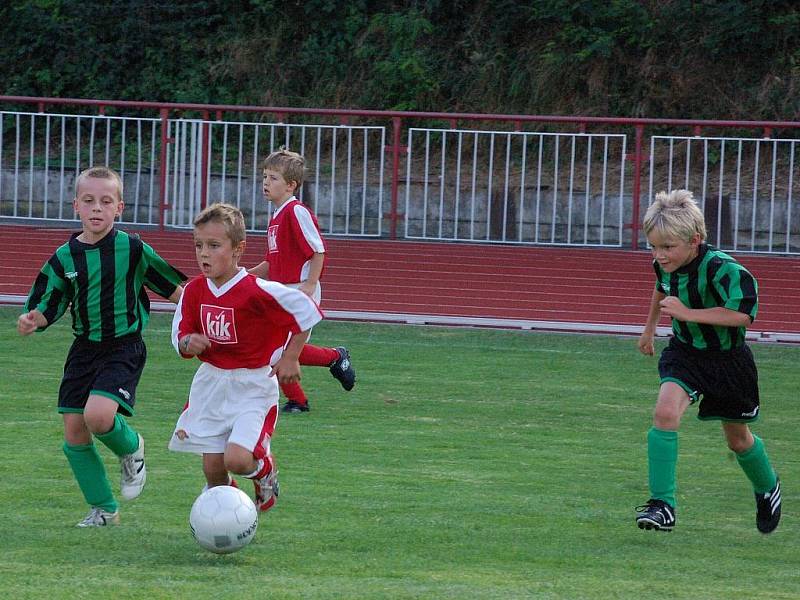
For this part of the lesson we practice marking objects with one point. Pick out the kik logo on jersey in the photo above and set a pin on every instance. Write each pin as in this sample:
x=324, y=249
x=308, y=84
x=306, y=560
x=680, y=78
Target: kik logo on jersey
x=272, y=239
x=218, y=323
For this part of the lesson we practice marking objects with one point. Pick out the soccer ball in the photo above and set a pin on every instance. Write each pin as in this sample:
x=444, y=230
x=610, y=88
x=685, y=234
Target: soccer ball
x=223, y=519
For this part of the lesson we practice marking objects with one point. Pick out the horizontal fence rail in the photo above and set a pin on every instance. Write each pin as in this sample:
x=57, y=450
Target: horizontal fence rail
x=512, y=179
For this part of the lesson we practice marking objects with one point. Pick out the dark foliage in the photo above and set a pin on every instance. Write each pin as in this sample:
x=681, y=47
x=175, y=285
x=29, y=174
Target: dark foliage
x=731, y=59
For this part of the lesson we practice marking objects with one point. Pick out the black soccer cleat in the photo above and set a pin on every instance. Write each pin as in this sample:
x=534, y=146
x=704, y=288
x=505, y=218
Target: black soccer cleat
x=768, y=509
x=656, y=514
x=342, y=369
x=295, y=407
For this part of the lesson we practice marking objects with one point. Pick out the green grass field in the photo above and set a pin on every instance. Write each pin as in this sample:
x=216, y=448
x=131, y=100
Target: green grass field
x=465, y=464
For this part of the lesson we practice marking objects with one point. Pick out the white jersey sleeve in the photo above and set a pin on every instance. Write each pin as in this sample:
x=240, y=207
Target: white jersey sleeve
x=176, y=321
x=310, y=231
x=304, y=310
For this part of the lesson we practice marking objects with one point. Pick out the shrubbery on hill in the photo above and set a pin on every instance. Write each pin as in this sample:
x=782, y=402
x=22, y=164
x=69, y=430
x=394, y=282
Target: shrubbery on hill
x=736, y=59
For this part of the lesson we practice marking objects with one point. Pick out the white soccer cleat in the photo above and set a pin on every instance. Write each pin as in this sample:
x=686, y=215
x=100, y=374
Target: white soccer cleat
x=267, y=490
x=98, y=517
x=134, y=473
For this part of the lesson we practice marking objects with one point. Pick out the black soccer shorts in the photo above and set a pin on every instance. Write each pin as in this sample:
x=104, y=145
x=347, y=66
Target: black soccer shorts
x=109, y=369
x=724, y=381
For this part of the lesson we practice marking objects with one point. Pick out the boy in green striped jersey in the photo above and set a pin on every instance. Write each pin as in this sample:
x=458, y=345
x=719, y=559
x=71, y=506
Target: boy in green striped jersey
x=711, y=299
x=100, y=274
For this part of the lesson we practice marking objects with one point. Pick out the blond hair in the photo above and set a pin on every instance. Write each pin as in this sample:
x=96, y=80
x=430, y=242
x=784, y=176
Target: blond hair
x=226, y=214
x=99, y=172
x=291, y=165
x=675, y=215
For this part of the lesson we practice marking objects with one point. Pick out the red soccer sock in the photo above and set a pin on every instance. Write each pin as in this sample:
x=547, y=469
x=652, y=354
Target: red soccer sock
x=294, y=393
x=317, y=356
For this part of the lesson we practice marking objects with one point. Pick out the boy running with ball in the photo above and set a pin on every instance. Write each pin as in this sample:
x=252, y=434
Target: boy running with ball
x=248, y=334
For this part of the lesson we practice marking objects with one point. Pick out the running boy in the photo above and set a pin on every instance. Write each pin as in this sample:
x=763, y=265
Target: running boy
x=295, y=257
x=244, y=330
x=99, y=274
x=711, y=299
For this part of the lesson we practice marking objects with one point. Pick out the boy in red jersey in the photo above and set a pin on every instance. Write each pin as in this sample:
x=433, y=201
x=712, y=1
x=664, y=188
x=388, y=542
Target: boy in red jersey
x=247, y=333
x=295, y=257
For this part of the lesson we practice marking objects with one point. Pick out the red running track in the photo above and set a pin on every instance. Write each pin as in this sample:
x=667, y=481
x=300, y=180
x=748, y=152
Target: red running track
x=456, y=283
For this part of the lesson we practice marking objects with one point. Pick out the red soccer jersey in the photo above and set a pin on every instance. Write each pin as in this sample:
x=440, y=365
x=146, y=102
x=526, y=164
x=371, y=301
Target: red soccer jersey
x=248, y=320
x=292, y=239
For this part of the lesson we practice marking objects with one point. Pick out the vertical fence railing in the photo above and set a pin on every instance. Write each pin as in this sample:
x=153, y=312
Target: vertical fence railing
x=39, y=163
x=220, y=161
x=745, y=186
x=36, y=181
x=515, y=187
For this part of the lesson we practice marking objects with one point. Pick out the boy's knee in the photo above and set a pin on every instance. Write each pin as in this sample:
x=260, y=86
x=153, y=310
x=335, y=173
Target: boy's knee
x=99, y=414
x=98, y=422
x=666, y=417
x=739, y=442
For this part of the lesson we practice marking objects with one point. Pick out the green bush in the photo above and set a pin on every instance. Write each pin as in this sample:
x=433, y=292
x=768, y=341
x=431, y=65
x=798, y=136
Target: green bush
x=735, y=59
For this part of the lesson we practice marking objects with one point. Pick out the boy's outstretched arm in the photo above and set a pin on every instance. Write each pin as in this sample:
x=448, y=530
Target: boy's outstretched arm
x=646, y=345
x=30, y=321
x=287, y=369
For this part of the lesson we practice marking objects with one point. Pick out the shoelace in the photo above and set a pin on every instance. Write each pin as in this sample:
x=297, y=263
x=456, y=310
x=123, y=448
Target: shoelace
x=268, y=486
x=93, y=516
x=129, y=467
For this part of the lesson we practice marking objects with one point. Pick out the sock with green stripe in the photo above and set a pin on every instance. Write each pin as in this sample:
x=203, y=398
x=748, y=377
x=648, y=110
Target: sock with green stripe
x=90, y=473
x=662, y=460
x=756, y=466
x=122, y=439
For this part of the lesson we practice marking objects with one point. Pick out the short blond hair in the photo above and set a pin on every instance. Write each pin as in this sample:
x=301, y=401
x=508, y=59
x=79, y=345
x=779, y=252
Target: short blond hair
x=675, y=215
x=291, y=165
x=99, y=172
x=230, y=217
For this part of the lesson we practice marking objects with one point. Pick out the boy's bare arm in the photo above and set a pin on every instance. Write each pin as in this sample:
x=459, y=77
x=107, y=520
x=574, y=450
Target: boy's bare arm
x=648, y=334
x=287, y=369
x=260, y=270
x=30, y=321
x=718, y=315
x=176, y=295
x=314, y=273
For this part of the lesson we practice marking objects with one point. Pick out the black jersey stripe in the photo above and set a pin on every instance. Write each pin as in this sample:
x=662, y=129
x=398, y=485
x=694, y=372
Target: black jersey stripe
x=158, y=283
x=42, y=281
x=107, y=291
x=81, y=324
x=749, y=289
x=709, y=334
x=134, y=256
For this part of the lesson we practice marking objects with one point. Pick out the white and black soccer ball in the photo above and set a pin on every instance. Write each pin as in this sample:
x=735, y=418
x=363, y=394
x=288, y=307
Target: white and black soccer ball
x=223, y=519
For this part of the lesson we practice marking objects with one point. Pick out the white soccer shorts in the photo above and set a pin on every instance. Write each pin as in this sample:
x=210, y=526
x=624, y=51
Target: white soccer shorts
x=227, y=406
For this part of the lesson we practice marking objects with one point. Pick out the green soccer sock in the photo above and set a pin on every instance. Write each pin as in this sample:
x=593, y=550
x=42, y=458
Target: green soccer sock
x=662, y=459
x=122, y=439
x=90, y=473
x=756, y=466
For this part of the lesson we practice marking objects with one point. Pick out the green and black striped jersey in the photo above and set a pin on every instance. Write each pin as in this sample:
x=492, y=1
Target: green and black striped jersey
x=712, y=279
x=103, y=285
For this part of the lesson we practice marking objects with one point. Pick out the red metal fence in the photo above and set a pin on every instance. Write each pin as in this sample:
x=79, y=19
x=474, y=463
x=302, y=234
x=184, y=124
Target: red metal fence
x=395, y=148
